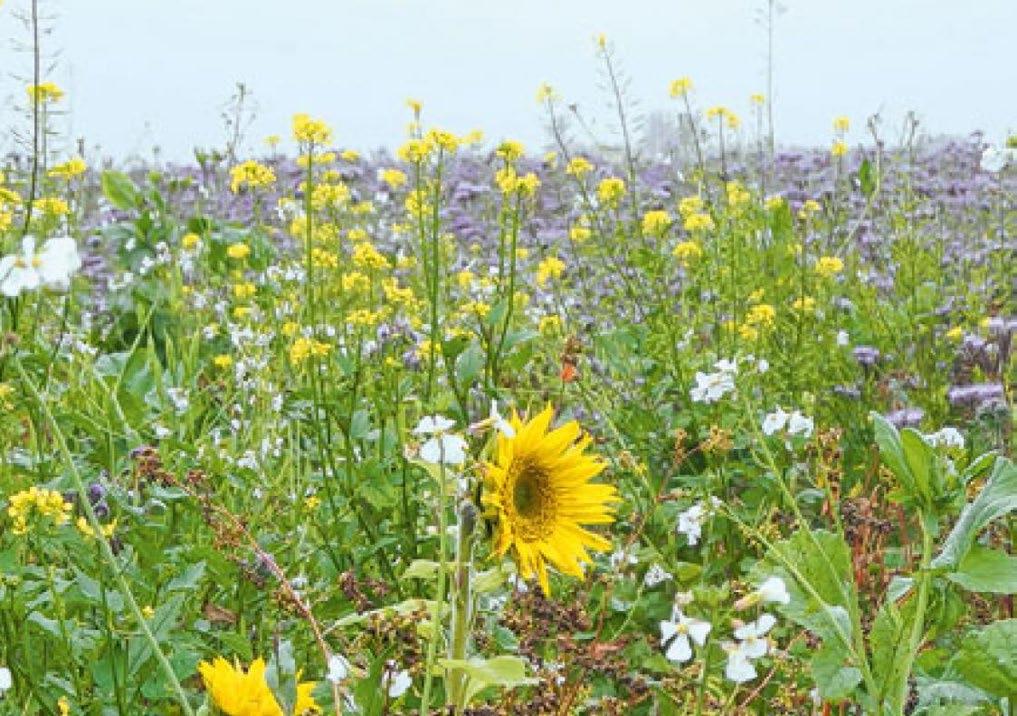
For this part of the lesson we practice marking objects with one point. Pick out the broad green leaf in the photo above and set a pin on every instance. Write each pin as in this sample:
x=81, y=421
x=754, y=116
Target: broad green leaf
x=988, y=658
x=835, y=676
x=505, y=671
x=986, y=570
x=997, y=498
x=421, y=569
x=120, y=190
x=866, y=178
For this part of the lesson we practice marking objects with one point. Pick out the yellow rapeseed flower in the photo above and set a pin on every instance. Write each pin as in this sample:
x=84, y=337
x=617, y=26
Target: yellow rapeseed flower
x=656, y=223
x=68, y=170
x=611, y=190
x=680, y=87
x=48, y=506
x=238, y=250
x=310, y=131
x=251, y=175
x=550, y=268
x=828, y=266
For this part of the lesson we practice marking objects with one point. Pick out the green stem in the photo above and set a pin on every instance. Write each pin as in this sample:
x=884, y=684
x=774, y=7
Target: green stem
x=439, y=601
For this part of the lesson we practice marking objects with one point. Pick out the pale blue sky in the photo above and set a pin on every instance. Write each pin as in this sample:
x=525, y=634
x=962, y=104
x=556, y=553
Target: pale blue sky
x=144, y=72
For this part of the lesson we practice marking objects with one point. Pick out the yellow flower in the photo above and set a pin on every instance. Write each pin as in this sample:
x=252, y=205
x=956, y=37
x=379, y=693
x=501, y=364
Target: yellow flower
x=601, y=40
x=273, y=140
x=698, y=222
x=222, y=361
x=310, y=131
x=443, y=139
x=242, y=291
x=841, y=124
x=147, y=611
x=828, y=266
x=687, y=251
x=415, y=106
x=804, y=304
x=839, y=148
x=545, y=93
x=393, y=177
x=762, y=314
x=68, y=170
x=690, y=205
x=190, y=241
x=350, y=155
x=656, y=222
x=810, y=207
x=239, y=693
x=86, y=529
x=367, y=257
x=64, y=705
x=549, y=324
x=758, y=99
x=44, y=93
x=415, y=151
x=550, y=268
x=304, y=348
x=737, y=194
x=45, y=504
x=955, y=334
x=538, y=493
x=329, y=196
x=52, y=206
x=611, y=190
x=252, y=175
x=510, y=150
x=579, y=233
x=238, y=251
x=680, y=87
x=579, y=167
x=774, y=202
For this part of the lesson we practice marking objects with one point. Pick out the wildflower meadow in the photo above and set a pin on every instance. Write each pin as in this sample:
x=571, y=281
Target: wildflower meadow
x=469, y=427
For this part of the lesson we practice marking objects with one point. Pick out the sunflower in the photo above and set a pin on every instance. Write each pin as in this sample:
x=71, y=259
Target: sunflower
x=538, y=493
x=239, y=693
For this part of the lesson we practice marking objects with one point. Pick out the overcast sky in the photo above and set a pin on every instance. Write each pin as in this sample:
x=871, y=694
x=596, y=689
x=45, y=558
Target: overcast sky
x=147, y=72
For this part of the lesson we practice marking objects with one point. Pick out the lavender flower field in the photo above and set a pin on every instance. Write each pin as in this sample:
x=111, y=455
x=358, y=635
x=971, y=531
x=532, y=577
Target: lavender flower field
x=708, y=424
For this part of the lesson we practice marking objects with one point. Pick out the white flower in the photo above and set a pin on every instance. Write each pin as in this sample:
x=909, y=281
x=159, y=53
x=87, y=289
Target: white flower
x=773, y=589
x=441, y=448
x=739, y=668
x=678, y=632
x=993, y=159
x=50, y=267
x=843, y=338
x=690, y=522
x=753, y=636
x=798, y=424
x=433, y=424
x=621, y=557
x=774, y=422
x=711, y=387
x=762, y=365
x=726, y=365
x=338, y=668
x=499, y=422
x=6, y=682
x=397, y=683
x=752, y=644
x=947, y=437
x=655, y=575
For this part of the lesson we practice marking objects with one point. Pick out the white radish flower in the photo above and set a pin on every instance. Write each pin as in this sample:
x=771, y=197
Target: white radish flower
x=441, y=447
x=338, y=668
x=50, y=267
x=774, y=422
x=678, y=634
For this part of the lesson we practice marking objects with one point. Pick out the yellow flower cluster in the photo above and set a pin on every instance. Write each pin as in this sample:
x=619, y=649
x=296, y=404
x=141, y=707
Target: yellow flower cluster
x=839, y=148
x=610, y=191
x=238, y=251
x=251, y=175
x=723, y=114
x=52, y=206
x=45, y=93
x=310, y=131
x=330, y=196
x=48, y=505
x=366, y=256
x=86, y=529
x=680, y=87
x=510, y=150
x=550, y=268
x=579, y=167
x=303, y=348
x=737, y=194
x=698, y=222
x=762, y=314
x=656, y=223
x=828, y=266
x=393, y=177
x=687, y=251
x=511, y=183
x=68, y=170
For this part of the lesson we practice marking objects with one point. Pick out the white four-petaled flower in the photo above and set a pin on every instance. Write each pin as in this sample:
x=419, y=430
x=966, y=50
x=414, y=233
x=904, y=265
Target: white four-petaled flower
x=338, y=668
x=752, y=644
x=50, y=267
x=676, y=635
x=442, y=447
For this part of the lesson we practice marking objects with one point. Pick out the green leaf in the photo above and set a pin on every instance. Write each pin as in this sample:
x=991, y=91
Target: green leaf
x=823, y=560
x=505, y=671
x=469, y=364
x=421, y=569
x=997, y=498
x=188, y=581
x=988, y=658
x=835, y=677
x=986, y=570
x=866, y=178
x=120, y=190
